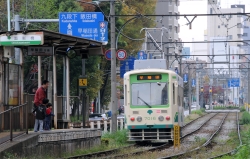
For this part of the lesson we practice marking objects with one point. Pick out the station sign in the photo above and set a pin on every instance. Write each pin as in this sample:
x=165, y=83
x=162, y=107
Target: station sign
x=40, y=51
x=34, y=38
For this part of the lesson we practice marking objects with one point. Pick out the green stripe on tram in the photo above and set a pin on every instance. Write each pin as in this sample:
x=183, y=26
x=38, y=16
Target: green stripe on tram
x=150, y=126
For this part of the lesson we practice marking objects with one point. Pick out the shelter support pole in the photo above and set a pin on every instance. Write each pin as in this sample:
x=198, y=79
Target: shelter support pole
x=55, y=88
x=67, y=87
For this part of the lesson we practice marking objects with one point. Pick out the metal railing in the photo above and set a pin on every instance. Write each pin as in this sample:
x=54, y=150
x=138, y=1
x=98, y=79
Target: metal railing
x=15, y=118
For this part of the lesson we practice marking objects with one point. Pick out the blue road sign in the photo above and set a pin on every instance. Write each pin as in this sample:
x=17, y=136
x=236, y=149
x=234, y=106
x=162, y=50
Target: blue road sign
x=126, y=65
x=103, y=31
x=89, y=25
x=176, y=70
x=234, y=82
x=193, y=82
x=185, y=78
x=108, y=54
x=141, y=55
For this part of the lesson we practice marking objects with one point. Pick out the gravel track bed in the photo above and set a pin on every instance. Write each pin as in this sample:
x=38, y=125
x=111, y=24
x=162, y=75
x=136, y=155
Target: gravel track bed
x=189, y=142
x=196, y=124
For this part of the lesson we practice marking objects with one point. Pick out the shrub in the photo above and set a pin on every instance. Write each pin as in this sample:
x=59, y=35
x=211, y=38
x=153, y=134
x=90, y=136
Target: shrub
x=199, y=112
x=245, y=118
x=117, y=138
x=242, y=109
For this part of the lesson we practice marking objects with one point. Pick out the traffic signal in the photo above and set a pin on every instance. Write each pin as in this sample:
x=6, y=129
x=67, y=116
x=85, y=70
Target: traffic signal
x=210, y=89
x=202, y=89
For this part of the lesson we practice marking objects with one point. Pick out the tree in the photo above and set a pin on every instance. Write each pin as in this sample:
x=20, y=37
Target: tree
x=49, y=9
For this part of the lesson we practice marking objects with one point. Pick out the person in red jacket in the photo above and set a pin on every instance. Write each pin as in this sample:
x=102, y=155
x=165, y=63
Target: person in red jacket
x=40, y=94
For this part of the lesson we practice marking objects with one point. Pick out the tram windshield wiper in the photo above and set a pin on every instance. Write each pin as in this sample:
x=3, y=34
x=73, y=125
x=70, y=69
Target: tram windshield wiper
x=145, y=102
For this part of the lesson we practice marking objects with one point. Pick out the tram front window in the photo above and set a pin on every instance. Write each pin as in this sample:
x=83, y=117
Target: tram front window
x=144, y=94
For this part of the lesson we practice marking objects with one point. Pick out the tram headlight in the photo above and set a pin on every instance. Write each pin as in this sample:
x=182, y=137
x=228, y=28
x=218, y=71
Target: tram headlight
x=161, y=118
x=139, y=118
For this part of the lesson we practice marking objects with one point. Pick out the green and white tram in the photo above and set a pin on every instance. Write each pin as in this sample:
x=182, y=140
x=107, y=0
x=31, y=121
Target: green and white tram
x=153, y=104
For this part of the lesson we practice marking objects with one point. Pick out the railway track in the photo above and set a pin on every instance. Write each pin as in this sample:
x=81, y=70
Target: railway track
x=140, y=150
x=190, y=130
x=206, y=131
x=209, y=145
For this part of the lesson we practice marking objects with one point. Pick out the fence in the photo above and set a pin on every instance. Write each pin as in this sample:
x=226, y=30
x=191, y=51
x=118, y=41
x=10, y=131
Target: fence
x=100, y=124
x=13, y=122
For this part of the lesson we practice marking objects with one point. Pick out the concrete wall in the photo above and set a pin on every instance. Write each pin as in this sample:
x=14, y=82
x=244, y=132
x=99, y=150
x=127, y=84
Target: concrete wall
x=53, y=143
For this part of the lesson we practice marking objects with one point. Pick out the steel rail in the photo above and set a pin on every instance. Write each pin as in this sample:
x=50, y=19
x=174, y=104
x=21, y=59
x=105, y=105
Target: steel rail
x=98, y=154
x=203, y=145
x=188, y=134
x=230, y=153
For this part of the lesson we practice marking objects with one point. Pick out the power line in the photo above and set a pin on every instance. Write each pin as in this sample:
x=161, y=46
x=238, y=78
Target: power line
x=181, y=15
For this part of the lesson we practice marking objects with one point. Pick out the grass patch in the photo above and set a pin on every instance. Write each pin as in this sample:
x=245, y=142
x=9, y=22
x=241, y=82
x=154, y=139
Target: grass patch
x=245, y=118
x=199, y=112
x=223, y=107
x=117, y=138
x=108, y=141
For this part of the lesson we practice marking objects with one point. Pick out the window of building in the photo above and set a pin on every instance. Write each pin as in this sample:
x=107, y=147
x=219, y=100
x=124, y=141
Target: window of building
x=219, y=26
x=170, y=2
x=211, y=11
x=170, y=17
x=170, y=28
x=239, y=25
x=244, y=34
x=230, y=37
x=176, y=29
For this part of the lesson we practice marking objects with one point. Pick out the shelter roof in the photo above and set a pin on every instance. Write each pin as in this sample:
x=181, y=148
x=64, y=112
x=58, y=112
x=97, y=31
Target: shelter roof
x=62, y=41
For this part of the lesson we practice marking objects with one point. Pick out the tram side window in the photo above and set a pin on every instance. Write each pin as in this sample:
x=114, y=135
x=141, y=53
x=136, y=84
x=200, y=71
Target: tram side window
x=125, y=96
x=173, y=94
x=164, y=95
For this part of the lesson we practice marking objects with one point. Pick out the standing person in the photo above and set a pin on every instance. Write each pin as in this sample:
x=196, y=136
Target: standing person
x=40, y=94
x=40, y=115
x=48, y=116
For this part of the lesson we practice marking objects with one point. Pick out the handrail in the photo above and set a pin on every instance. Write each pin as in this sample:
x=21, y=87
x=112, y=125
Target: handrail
x=11, y=118
x=13, y=107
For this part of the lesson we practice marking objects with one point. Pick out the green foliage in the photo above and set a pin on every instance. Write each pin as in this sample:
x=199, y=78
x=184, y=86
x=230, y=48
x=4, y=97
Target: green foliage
x=223, y=107
x=242, y=109
x=245, y=118
x=199, y=112
x=117, y=138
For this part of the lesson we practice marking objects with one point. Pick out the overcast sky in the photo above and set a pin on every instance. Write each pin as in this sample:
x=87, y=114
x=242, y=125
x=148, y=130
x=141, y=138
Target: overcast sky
x=200, y=23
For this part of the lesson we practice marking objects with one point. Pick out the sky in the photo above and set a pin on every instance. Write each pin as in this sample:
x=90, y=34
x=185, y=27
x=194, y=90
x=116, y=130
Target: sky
x=200, y=23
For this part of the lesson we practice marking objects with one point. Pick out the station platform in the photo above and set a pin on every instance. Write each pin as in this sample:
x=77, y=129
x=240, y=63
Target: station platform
x=55, y=142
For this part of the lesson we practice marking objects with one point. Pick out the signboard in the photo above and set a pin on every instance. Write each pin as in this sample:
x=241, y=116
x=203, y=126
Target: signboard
x=141, y=55
x=234, y=82
x=126, y=65
x=103, y=32
x=40, y=51
x=193, y=82
x=121, y=54
x=176, y=70
x=185, y=78
x=35, y=38
x=176, y=136
x=82, y=82
x=89, y=25
x=108, y=54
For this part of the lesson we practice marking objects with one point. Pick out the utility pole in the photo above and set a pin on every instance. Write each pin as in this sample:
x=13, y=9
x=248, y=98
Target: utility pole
x=197, y=86
x=189, y=90
x=113, y=69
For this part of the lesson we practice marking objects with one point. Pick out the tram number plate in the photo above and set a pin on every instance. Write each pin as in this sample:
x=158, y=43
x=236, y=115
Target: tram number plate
x=150, y=118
